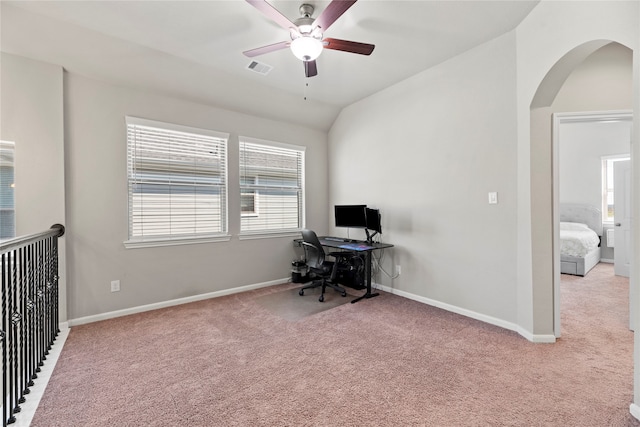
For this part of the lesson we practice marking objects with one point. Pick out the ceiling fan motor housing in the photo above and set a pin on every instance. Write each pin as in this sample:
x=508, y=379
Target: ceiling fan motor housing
x=304, y=24
x=306, y=10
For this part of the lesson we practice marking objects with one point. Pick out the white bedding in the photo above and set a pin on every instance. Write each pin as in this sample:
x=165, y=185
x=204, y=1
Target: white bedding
x=577, y=239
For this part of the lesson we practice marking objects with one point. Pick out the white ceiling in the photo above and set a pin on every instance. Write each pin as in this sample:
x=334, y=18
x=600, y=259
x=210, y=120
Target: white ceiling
x=193, y=49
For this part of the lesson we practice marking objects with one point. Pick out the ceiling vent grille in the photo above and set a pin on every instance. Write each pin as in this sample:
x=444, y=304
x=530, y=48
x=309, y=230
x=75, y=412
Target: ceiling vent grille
x=259, y=67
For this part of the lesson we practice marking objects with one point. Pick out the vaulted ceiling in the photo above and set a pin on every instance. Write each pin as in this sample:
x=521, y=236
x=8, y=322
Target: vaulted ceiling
x=193, y=49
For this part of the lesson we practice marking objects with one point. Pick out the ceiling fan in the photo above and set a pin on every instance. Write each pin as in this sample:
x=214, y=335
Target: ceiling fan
x=306, y=33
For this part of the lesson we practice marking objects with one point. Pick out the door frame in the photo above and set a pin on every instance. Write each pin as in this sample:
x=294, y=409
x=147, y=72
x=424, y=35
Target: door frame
x=559, y=119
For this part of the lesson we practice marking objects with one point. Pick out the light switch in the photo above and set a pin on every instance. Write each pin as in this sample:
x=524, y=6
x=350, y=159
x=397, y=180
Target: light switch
x=493, y=198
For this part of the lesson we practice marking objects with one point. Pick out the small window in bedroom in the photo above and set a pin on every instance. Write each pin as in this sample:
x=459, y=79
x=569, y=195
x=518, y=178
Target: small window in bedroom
x=7, y=188
x=607, y=186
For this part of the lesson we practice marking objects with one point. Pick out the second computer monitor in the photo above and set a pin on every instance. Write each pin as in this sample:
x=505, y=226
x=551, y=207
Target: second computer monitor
x=373, y=220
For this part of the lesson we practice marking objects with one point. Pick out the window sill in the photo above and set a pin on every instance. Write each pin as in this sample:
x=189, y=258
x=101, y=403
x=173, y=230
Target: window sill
x=151, y=243
x=268, y=234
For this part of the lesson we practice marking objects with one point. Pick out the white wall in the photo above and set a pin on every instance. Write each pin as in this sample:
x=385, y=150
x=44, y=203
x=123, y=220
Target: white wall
x=91, y=152
x=97, y=203
x=426, y=152
x=32, y=117
x=582, y=146
x=602, y=81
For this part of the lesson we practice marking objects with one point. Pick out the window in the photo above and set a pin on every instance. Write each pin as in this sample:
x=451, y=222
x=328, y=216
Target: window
x=177, y=182
x=248, y=205
x=608, y=206
x=271, y=186
x=7, y=188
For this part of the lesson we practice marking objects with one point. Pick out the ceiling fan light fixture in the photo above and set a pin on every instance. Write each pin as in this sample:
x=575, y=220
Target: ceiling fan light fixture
x=306, y=48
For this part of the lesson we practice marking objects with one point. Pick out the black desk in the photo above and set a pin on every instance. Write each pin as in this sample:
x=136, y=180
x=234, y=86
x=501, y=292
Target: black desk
x=357, y=246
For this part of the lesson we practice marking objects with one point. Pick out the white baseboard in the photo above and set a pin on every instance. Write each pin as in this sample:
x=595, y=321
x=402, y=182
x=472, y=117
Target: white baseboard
x=607, y=260
x=635, y=411
x=472, y=314
x=536, y=338
x=170, y=303
x=448, y=307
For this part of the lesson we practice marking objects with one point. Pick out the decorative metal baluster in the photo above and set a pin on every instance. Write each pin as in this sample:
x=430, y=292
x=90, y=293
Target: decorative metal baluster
x=47, y=303
x=51, y=282
x=56, y=290
x=40, y=315
x=26, y=339
x=6, y=260
x=15, y=323
x=12, y=401
x=20, y=309
x=31, y=319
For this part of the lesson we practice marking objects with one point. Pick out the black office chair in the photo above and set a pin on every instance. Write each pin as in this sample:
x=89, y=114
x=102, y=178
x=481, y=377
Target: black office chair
x=326, y=271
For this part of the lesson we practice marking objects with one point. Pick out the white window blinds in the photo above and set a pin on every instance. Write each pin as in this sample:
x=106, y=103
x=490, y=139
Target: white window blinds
x=177, y=181
x=271, y=186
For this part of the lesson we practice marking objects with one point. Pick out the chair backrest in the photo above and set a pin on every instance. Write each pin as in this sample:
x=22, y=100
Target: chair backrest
x=313, y=249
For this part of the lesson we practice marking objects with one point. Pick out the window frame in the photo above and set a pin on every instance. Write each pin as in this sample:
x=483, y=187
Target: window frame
x=279, y=232
x=140, y=241
x=607, y=163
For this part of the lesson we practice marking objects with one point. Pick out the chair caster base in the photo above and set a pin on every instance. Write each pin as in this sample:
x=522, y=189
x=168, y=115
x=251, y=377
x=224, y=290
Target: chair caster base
x=321, y=299
x=301, y=292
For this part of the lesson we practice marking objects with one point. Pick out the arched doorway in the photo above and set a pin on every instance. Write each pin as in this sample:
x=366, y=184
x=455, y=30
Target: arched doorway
x=544, y=186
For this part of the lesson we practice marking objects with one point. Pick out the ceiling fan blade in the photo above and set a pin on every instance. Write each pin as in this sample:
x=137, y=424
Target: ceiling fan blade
x=310, y=68
x=349, y=46
x=332, y=12
x=272, y=13
x=266, y=49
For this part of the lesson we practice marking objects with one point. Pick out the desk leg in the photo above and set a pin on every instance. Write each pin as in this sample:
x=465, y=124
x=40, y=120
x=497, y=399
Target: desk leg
x=367, y=269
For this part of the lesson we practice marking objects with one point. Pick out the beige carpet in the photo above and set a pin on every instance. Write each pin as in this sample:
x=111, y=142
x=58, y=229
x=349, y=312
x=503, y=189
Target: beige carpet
x=386, y=361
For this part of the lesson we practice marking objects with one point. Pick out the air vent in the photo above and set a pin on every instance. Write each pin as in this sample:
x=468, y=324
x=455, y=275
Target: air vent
x=259, y=67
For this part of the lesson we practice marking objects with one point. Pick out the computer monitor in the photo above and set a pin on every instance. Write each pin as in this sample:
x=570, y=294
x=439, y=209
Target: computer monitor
x=354, y=216
x=373, y=220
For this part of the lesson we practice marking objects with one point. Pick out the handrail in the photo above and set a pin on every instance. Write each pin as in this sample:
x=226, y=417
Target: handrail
x=56, y=230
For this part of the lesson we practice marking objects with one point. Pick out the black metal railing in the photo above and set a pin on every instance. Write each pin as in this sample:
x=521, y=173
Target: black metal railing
x=29, y=312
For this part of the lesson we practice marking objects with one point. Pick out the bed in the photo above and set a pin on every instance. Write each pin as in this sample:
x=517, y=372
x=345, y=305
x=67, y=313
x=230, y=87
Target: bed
x=580, y=237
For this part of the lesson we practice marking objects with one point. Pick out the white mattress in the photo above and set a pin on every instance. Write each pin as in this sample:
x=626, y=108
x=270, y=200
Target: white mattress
x=577, y=239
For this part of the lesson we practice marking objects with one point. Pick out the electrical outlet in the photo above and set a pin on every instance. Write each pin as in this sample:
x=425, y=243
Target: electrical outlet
x=398, y=269
x=115, y=286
